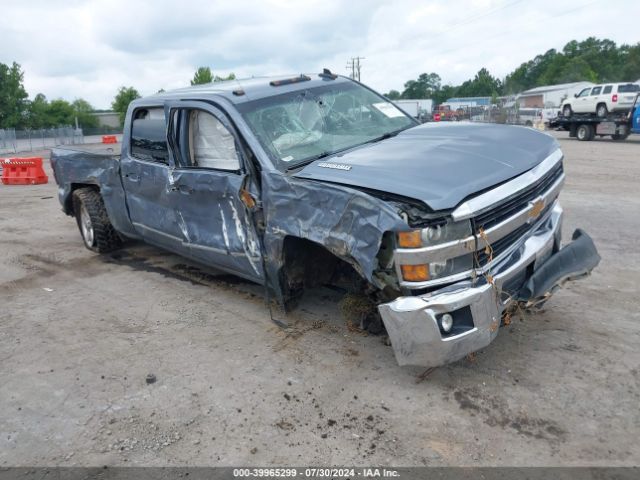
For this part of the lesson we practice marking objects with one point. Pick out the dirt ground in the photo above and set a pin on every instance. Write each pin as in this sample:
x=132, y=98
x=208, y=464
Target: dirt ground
x=79, y=333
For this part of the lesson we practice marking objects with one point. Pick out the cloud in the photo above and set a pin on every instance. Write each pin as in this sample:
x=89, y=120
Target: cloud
x=88, y=49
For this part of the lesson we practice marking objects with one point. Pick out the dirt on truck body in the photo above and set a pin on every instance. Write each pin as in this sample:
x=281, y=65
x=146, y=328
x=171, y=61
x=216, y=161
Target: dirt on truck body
x=297, y=181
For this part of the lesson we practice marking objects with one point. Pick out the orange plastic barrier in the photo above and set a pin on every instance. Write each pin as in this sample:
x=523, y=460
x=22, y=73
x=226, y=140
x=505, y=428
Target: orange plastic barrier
x=23, y=171
x=109, y=139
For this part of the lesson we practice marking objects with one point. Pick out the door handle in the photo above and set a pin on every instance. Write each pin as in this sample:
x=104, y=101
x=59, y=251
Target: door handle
x=132, y=178
x=182, y=189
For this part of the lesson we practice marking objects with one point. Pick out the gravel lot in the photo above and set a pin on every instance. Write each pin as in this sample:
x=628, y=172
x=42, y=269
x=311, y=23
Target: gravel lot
x=79, y=333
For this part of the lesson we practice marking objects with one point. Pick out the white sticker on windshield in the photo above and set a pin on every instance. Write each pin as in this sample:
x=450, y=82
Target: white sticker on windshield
x=287, y=159
x=388, y=109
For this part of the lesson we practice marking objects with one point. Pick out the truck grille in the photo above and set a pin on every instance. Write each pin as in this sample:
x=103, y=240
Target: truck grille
x=517, y=203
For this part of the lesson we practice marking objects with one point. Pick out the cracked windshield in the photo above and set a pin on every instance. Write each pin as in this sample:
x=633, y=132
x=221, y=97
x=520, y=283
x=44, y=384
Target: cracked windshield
x=301, y=126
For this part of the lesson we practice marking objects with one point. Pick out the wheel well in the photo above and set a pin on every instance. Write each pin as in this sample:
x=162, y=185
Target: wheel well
x=68, y=204
x=307, y=264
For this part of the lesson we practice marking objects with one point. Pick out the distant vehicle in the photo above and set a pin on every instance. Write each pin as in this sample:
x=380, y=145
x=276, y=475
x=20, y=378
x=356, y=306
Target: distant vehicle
x=549, y=114
x=528, y=116
x=444, y=113
x=586, y=127
x=601, y=99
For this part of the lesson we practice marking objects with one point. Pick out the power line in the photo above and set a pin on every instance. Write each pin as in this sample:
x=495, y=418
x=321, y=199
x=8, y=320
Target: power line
x=511, y=30
x=473, y=18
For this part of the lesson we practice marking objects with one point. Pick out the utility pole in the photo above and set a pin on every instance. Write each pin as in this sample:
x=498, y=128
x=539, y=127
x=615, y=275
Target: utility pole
x=354, y=66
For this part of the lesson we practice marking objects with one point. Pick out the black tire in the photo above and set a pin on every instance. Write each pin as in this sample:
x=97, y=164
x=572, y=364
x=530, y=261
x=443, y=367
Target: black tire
x=91, y=216
x=601, y=110
x=373, y=324
x=566, y=111
x=584, y=132
x=619, y=137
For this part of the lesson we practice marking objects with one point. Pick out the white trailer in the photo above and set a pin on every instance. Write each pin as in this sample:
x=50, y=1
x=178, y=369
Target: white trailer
x=416, y=107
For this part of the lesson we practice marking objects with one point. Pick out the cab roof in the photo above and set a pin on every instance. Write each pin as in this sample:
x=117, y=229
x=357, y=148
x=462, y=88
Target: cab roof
x=248, y=89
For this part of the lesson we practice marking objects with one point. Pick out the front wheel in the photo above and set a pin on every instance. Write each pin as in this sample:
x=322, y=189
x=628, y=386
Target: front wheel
x=93, y=221
x=566, y=111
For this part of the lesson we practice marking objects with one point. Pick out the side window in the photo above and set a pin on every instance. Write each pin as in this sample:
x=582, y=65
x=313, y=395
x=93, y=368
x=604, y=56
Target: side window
x=584, y=92
x=596, y=90
x=607, y=89
x=148, y=137
x=211, y=145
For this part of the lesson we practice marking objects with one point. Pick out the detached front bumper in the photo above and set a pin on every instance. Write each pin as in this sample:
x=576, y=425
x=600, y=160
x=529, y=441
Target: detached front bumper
x=533, y=270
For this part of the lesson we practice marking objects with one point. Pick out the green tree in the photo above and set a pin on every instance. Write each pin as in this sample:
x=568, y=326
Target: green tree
x=123, y=98
x=231, y=76
x=203, y=75
x=84, y=112
x=393, y=95
x=631, y=68
x=13, y=97
x=482, y=85
x=444, y=93
x=593, y=59
x=423, y=87
x=38, y=116
x=60, y=113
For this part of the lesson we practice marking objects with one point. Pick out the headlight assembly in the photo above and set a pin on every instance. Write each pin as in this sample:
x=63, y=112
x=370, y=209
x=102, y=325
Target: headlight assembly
x=431, y=239
x=435, y=235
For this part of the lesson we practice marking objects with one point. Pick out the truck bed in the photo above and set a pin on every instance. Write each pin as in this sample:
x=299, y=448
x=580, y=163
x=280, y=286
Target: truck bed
x=101, y=149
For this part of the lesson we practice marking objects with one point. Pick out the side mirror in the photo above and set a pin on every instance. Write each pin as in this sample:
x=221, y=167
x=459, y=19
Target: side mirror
x=575, y=95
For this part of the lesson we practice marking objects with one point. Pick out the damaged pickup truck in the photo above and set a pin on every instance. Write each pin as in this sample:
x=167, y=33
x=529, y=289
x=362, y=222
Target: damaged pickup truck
x=293, y=182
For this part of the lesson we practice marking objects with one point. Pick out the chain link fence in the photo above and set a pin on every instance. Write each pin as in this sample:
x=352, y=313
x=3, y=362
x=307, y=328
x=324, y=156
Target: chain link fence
x=15, y=141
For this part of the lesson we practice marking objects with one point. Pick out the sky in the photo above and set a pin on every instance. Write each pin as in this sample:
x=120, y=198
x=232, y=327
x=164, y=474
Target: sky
x=88, y=49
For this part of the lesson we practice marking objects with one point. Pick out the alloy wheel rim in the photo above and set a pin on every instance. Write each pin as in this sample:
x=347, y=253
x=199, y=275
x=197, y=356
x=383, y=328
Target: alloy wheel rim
x=86, y=226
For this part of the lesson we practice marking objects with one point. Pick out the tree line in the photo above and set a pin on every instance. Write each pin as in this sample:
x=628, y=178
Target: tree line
x=17, y=110
x=592, y=60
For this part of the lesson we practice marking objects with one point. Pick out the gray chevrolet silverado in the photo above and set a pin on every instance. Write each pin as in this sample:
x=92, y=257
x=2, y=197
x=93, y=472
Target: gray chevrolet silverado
x=307, y=180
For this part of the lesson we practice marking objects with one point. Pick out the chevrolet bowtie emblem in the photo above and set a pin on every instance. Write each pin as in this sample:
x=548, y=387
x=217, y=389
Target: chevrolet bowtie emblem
x=536, y=208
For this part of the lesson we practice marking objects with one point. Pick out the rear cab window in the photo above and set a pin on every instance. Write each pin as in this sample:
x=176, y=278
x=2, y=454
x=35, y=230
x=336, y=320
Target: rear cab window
x=148, y=135
x=607, y=89
x=629, y=88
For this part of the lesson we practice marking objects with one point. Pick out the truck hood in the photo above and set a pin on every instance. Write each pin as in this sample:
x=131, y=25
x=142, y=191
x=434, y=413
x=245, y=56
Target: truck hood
x=438, y=164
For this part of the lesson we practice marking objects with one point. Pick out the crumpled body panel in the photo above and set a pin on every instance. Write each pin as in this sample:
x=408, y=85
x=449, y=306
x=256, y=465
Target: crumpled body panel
x=347, y=222
x=102, y=170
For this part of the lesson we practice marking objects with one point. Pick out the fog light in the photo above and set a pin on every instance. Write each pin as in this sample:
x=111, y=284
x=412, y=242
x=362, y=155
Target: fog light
x=446, y=322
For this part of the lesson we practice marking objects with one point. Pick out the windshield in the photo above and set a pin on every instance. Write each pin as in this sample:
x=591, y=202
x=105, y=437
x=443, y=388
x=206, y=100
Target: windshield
x=297, y=127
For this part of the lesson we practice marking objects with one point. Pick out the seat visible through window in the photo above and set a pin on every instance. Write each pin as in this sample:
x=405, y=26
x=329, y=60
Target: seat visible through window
x=211, y=145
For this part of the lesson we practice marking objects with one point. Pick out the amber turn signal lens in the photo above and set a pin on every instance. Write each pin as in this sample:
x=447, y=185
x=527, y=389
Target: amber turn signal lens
x=410, y=239
x=415, y=273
